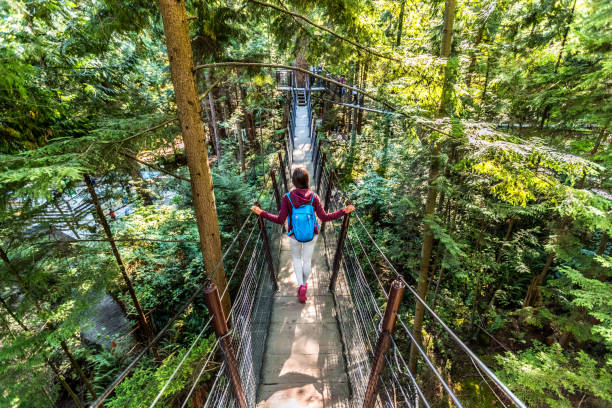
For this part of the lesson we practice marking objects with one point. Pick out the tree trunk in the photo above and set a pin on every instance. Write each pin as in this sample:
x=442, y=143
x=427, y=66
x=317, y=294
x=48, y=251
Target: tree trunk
x=241, y=153
x=603, y=244
x=565, y=33
x=477, y=42
x=447, y=29
x=428, y=239
x=445, y=51
x=142, y=319
x=600, y=139
x=218, y=97
x=384, y=160
x=534, y=296
x=349, y=118
x=240, y=105
x=547, y=108
x=176, y=30
x=213, y=117
x=430, y=203
x=229, y=105
x=400, y=24
x=209, y=121
x=486, y=83
x=249, y=123
x=364, y=77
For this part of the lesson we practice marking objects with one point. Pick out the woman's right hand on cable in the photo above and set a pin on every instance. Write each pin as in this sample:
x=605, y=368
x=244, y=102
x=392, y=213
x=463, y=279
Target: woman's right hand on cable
x=349, y=209
x=256, y=209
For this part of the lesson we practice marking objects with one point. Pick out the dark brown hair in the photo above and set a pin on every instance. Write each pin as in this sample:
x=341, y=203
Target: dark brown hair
x=300, y=178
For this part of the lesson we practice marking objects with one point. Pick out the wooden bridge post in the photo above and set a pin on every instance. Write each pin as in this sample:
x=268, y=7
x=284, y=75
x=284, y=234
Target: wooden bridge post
x=313, y=139
x=330, y=185
x=282, y=169
x=384, y=341
x=213, y=302
x=317, y=153
x=312, y=127
x=338, y=254
x=321, y=170
x=267, y=250
x=277, y=196
x=287, y=155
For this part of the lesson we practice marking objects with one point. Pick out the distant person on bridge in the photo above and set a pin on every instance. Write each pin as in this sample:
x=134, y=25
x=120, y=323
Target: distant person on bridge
x=300, y=205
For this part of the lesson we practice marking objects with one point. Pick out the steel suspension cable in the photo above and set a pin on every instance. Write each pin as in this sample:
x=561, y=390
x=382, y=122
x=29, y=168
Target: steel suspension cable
x=454, y=336
x=446, y=387
x=475, y=360
x=370, y=263
x=445, y=327
x=212, y=352
x=170, y=322
x=397, y=353
x=159, y=395
x=180, y=364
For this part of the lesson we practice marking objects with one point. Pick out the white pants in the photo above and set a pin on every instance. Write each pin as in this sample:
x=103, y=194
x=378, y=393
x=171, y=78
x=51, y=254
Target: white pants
x=302, y=258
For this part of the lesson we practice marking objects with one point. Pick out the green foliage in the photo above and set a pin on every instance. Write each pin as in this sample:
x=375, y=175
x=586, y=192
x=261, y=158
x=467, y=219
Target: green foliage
x=142, y=386
x=593, y=296
x=548, y=377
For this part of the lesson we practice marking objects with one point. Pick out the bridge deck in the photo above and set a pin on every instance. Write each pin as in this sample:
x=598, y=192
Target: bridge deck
x=303, y=362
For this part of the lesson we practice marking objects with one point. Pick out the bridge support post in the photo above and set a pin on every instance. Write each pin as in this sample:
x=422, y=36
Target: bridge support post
x=277, y=195
x=313, y=138
x=213, y=302
x=282, y=169
x=338, y=254
x=317, y=153
x=330, y=185
x=320, y=176
x=384, y=342
x=268, y=251
x=287, y=155
x=312, y=127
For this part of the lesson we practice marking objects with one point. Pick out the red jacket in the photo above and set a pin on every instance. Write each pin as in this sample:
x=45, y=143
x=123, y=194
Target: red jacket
x=301, y=196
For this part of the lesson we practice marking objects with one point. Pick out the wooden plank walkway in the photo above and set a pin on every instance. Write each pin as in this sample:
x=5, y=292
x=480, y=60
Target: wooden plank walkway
x=303, y=362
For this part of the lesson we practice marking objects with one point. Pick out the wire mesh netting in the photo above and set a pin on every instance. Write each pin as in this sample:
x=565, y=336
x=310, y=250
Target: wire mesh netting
x=250, y=319
x=359, y=316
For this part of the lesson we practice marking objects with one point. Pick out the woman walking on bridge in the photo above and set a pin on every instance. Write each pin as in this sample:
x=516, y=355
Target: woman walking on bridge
x=301, y=204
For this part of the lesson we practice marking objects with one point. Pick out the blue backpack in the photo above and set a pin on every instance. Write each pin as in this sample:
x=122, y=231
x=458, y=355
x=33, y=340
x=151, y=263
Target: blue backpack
x=303, y=221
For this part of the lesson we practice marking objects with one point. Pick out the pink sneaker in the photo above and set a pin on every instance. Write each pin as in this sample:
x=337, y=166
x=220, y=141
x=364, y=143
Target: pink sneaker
x=302, y=294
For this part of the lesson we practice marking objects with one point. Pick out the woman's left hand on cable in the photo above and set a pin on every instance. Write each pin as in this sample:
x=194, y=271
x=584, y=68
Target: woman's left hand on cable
x=256, y=209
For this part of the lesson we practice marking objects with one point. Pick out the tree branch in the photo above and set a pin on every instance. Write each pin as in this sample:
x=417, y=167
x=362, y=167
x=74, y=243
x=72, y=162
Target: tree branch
x=154, y=167
x=76, y=241
x=327, y=30
x=151, y=129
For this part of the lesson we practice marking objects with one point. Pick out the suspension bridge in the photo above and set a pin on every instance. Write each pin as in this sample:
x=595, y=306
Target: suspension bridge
x=343, y=347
